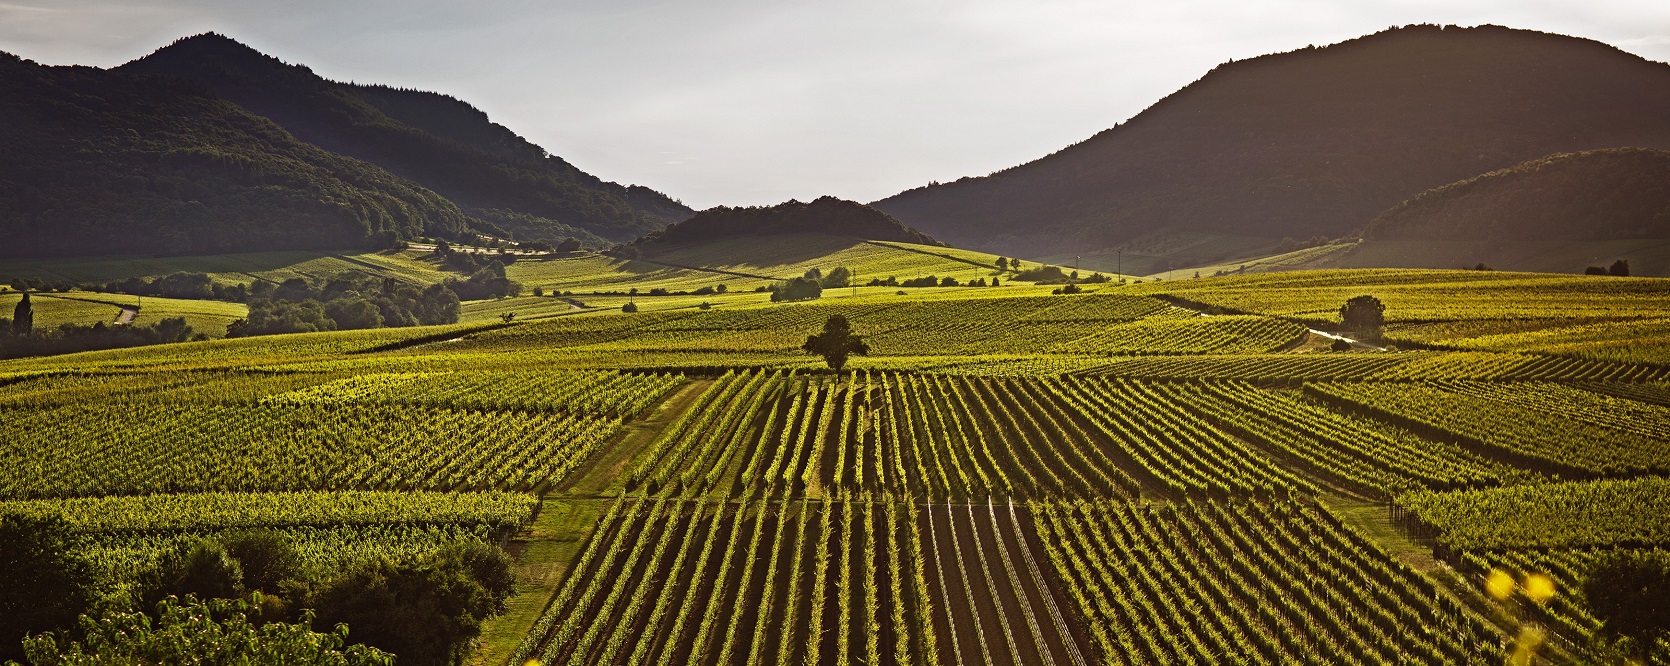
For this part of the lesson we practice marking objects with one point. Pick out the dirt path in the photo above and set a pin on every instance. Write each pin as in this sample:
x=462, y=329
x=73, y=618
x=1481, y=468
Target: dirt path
x=567, y=516
x=127, y=315
x=1354, y=343
x=602, y=475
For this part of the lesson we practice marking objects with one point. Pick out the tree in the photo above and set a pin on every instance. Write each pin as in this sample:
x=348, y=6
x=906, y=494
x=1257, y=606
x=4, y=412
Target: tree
x=837, y=278
x=507, y=317
x=1595, y=270
x=1002, y=263
x=212, y=633
x=1630, y=595
x=1620, y=268
x=266, y=558
x=44, y=584
x=569, y=244
x=630, y=307
x=1363, y=314
x=1340, y=345
x=835, y=343
x=201, y=568
x=23, y=317
x=426, y=612
x=797, y=289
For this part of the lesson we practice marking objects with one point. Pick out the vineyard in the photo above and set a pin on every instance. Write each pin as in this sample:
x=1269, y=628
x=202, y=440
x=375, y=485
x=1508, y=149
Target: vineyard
x=1166, y=472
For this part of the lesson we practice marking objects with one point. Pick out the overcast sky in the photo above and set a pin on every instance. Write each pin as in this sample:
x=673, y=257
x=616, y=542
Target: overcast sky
x=743, y=102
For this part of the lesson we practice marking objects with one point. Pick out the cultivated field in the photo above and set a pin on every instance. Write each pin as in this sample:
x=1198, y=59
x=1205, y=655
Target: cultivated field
x=1164, y=472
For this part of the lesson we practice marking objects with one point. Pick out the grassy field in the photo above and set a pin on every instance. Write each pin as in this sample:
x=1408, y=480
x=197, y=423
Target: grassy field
x=79, y=307
x=1008, y=476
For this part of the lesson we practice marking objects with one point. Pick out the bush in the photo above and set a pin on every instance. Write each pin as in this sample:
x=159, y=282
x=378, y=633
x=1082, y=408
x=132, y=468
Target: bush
x=629, y=307
x=197, y=632
x=45, y=583
x=797, y=289
x=1340, y=345
x=266, y=558
x=427, y=612
x=201, y=568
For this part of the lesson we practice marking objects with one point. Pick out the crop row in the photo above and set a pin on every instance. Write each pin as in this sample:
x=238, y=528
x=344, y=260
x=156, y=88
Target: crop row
x=662, y=581
x=1567, y=612
x=1362, y=454
x=606, y=393
x=1562, y=430
x=1556, y=515
x=1237, y=582
x=148, y=448
x=778, y=434
x=765, y=434
x=216, y=511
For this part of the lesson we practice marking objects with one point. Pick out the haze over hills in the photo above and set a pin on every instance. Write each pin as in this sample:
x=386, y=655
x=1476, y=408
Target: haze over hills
x=437, y=141
x=101, y=162
x=1313, y=142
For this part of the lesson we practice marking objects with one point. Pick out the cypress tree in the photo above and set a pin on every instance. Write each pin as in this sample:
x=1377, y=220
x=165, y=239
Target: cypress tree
x=23, y=318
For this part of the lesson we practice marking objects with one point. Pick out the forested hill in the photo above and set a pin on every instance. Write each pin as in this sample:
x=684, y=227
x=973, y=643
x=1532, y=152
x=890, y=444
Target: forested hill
x=1589, y=196
x=434, y=140
x=103, y=162
x=1311, y=142
x=825, y=215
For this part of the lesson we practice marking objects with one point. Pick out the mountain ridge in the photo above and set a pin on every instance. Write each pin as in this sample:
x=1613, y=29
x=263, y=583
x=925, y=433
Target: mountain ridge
x=1314, y=141
x=434, y=140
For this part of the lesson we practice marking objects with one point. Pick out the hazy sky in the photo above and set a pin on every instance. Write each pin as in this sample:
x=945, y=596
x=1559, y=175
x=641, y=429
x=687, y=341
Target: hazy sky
x=745, y=102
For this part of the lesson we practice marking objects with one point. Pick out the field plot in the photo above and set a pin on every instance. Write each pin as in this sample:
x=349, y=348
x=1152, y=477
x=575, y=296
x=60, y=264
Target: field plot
x=1358, y=453
x=1420, y=295
x=825, y=583
x=1249, y=583
x=1559, y=515
x=1561, y=429
x=777, y=434
x=462, y=431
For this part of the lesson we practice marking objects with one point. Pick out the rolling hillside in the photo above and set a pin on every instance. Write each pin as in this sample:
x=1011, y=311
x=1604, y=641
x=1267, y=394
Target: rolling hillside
x=102, y=162
x=437, y=141
x=1313, y=142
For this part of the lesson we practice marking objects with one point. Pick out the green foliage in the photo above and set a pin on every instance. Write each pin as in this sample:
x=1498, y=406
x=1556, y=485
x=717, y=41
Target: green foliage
x=200, y=568
x=1340, y=345
x=835, y=343
x=796, y=289
x=1363, y=314
x=45, y=582
x=265, y=557
x=1630, y=595
x=1562, y=515
x=222, y=632
x=425, y=612
x=174, y=170
x=71, y=338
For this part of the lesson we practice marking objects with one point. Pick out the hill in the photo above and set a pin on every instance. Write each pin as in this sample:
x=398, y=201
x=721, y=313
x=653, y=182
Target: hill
x=1590, y=196
x=432, y=139
x=825, y=215
x=102, y=162
x=1313, y=142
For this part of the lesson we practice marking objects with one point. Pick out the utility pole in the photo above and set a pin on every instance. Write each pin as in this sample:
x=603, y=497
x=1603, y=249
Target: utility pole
x=1119, y=266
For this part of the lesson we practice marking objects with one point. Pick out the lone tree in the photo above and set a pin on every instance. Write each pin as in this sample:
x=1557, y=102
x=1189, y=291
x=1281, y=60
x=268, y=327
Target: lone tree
x=835, y=343
x=23, y=318
x=1363, y=314
x=1630, y=595
x=1620, y=268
